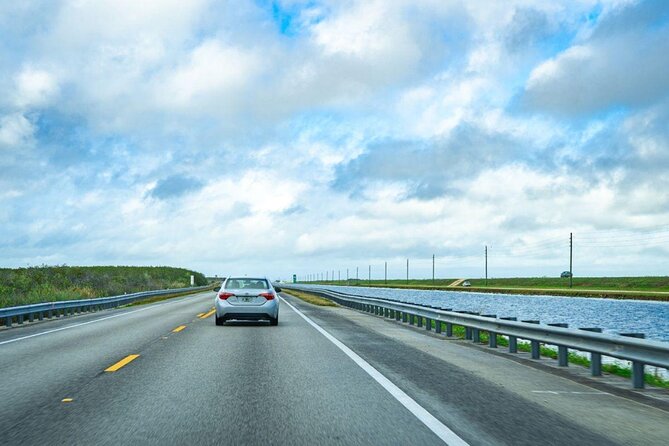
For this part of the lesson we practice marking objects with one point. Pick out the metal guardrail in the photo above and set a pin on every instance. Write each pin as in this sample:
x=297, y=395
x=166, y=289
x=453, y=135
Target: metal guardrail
x=68, y=307
x=625, y=346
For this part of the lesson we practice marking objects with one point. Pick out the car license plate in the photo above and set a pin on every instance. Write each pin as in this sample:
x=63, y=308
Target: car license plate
x=247, y=299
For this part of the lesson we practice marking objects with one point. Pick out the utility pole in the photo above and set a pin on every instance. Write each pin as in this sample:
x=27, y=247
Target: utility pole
x=327, y=276
x=339, y=276
x=486, y=265
x=357, y=277
x=385, y=273
x=571, y=249
x=407, y=270
x=369, y=274
x=346, y=276
x=432, y=268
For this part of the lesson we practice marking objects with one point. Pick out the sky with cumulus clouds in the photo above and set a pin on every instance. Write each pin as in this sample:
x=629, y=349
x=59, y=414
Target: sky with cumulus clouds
x=282, y=137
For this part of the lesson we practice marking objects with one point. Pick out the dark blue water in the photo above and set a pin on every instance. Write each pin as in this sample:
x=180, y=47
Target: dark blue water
x=612, y=315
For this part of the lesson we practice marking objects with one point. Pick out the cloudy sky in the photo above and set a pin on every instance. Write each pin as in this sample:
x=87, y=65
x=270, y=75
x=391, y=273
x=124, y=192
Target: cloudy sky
x=293, y=136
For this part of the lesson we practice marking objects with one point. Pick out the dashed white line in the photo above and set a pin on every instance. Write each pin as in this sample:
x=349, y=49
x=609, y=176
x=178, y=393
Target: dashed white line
x=437, y=427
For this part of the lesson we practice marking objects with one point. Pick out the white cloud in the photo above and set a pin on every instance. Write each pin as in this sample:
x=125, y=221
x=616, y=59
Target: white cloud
x=213, y=72
x=372, y=130
x=15, y=130
x=34, y=88
x=620, y=66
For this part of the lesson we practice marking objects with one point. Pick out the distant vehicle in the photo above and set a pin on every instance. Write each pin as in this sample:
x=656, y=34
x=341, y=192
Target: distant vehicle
x=247, y=298
x=466, y=283
x=565, y=274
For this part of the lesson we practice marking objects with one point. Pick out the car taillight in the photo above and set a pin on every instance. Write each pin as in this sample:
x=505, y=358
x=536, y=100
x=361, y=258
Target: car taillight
x=223, y=295
x=268, y=296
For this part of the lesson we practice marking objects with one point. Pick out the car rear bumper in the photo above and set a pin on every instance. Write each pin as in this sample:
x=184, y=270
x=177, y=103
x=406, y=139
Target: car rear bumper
x=269, y=309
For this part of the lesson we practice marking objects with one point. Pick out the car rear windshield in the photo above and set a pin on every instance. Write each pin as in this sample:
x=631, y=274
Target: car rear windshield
x=244, y=283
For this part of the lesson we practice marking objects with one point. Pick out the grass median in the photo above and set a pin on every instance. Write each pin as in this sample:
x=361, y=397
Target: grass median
x=310, y=298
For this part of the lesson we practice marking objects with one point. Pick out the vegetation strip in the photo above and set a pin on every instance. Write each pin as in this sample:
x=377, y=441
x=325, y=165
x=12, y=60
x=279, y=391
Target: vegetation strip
x=637, y=288
x=37, y=284
x=311, y=298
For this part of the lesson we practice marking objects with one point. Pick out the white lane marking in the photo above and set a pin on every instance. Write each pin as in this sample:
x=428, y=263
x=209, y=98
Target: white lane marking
x=91, y=322
x=565, y=392
x=440, y=430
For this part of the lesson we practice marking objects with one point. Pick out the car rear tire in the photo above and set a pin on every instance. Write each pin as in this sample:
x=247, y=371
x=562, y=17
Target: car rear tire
x=274, y=321
x=219, y=320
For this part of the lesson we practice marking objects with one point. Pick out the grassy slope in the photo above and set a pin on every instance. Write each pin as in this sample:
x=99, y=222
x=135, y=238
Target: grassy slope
x=615, y=287
x=50, y=283
x=598, y=283
x=311, y=298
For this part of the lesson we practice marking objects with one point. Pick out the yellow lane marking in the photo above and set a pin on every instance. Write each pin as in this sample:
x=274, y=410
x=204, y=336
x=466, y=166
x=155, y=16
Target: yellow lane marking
x=200, y=314
x=208, y=313
x=123, y=362
x=67, y=400
x=178, y=329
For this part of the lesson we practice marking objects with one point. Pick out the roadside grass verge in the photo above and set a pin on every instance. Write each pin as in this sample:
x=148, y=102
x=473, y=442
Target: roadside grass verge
x=574, y=358
x=640, y=288
x=155, y=299
x=650, y=283
x=310, y=298
x=38, y=284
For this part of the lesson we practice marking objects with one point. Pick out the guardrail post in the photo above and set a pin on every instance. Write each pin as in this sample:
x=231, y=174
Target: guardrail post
x=563, y=352
x=595, y=358
x=468, y=333
x=419, y=321
x=437, y=326
x=405, y=317
x=40, y=316
x=31, y=317
x=638, y=367
x=19, y=319
x=513, y=341
x=398, y=315
x=535, y=348
x=449, y=329
x=8, y=321
x=428, y=324
x=492, y=336
x=476, y=335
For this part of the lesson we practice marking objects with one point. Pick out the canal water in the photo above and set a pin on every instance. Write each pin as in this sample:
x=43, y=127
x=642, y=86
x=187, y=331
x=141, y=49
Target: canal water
x=612, y=315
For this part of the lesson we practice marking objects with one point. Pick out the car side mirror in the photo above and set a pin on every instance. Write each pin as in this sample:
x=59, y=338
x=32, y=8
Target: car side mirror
x=277, y=289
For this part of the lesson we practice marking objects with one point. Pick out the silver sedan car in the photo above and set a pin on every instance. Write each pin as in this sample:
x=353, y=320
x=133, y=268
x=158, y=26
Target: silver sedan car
x=247, y=298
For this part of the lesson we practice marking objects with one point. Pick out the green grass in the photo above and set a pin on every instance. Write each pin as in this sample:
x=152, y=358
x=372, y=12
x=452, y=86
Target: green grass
x=642, y=288
x=311, y=298
x=24, y=286
x=660, y=283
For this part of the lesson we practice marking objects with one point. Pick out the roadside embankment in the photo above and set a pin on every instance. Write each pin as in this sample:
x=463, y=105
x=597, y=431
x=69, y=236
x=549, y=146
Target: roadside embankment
x=637, y=288
x=23, y=286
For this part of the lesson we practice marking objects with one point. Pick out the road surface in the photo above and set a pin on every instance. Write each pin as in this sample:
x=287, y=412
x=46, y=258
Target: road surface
x=323, y=376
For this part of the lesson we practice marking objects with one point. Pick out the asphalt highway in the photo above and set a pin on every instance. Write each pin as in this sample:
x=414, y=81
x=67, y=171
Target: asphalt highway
x=165, y=374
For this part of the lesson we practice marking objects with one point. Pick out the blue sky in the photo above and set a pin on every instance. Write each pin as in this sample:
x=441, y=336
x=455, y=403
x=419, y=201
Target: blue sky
x=284, y=137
